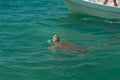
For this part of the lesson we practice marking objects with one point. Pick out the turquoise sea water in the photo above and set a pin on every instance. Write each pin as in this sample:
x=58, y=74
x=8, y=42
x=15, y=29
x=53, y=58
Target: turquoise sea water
x=25, y=27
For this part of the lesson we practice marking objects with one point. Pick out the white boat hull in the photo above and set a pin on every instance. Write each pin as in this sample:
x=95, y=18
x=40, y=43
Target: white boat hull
x=93, y=9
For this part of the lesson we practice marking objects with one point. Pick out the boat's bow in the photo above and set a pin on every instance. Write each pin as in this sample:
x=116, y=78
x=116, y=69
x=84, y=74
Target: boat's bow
x=94, y=9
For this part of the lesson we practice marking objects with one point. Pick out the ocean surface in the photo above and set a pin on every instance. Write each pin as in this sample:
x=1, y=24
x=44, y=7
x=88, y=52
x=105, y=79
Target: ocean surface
x=27, y=25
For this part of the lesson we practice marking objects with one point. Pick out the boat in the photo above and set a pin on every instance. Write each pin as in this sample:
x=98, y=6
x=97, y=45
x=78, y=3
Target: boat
x=94, y=8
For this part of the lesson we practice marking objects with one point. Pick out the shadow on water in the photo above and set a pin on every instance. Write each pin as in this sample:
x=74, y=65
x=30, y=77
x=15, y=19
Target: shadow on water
x=81, y=17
